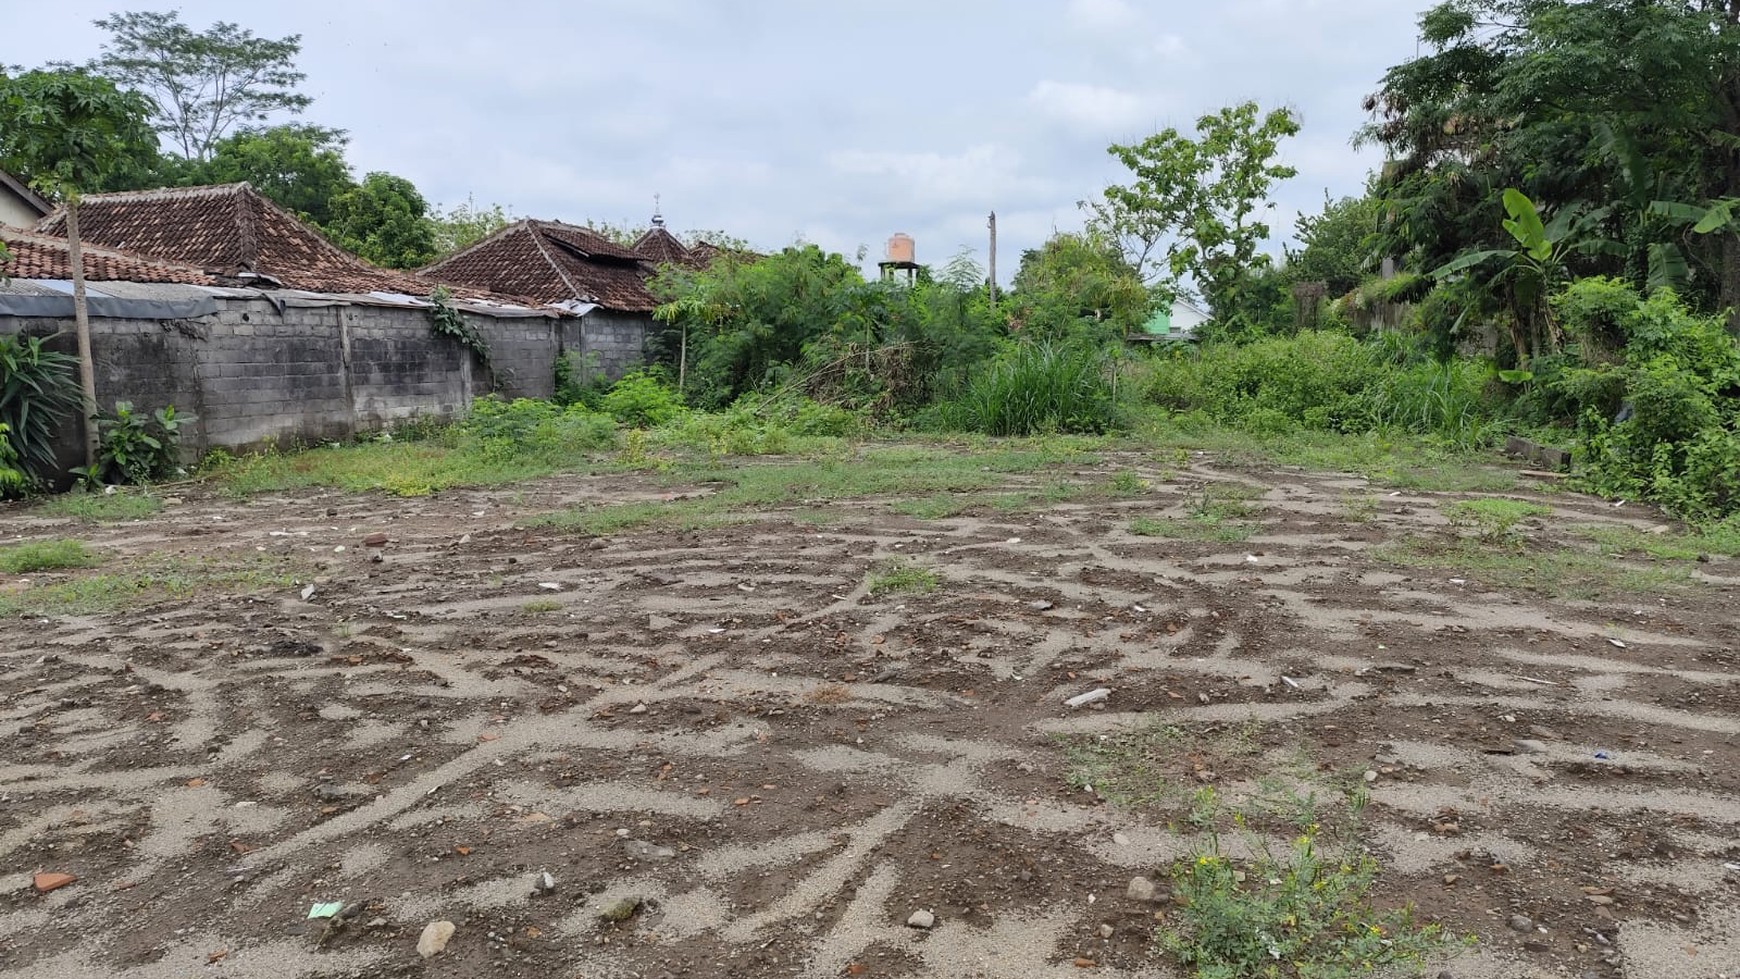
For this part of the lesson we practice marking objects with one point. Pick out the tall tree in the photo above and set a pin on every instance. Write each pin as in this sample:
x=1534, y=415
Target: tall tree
x=299, y=167
x=1573, y=102
x=1077, y=286
x=206, y=83
x=1203, y=198
x=385, y=220
x=67, y=129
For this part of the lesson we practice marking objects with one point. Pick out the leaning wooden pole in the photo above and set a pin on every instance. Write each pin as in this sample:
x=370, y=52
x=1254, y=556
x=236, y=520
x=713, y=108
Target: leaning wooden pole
x=82, y=325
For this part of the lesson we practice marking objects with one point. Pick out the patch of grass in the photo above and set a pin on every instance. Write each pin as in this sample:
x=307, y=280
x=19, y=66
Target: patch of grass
x=1142, y=767
x=1359, y=509
x=1494, y=520
x=543, y=606
x=899, y=577
x=46, y=555
x=1126, y=482
x=685, y=515
x=936, y=507
x=1306, y=911
x=159, y=578
x=1556, y=573
x=101, y=507
x=1722, y=539
x=1194, y=528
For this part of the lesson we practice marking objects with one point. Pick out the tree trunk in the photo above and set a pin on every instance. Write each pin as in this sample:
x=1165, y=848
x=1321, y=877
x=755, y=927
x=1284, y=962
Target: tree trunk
x=82, y=324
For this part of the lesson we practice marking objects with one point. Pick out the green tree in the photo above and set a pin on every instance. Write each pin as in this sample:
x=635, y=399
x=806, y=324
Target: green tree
x=1203, y=198
x=1337, y=244
x=385, y=220
x=467, y=224
x=206, y=83
x=1579, y=102
x=66, y=129
x=1077, y=286
x=301, y=168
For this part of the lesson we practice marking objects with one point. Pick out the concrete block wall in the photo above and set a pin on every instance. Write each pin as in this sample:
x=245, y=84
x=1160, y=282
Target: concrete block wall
x=255, y=373
x=615, y=342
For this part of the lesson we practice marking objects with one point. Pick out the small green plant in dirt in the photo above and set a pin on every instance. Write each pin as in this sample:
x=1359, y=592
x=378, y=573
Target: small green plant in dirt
x=899, y=577
x=158, y=578
x=1195, y=528
x=136, y=447
x=1126, y=482
x=1306, y=913
x=101, y=507
x=46, y=555
x=541, y=607
x=1359, y=509
x=1494, y=521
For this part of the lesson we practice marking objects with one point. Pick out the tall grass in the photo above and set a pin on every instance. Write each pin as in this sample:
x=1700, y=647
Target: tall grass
x=1034, y=388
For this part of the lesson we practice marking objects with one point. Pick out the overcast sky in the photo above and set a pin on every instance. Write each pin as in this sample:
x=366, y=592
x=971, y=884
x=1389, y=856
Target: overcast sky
x=772, y=120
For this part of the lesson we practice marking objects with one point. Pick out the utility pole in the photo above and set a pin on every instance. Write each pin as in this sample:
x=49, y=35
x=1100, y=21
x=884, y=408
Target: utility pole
x=993, y=276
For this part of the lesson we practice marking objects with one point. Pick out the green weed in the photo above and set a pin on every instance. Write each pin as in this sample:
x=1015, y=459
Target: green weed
x=159, y=578
x=1194, y=528
x=542, y=606
x=46, y=555
x=101, y=507
x=1495, y=521
x=899, y=577
x=1556, y=573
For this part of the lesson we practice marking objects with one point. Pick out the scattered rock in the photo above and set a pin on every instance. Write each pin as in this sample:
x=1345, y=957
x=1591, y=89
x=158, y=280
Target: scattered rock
x=544, y=884
x=434, y=939
x=1091, y=697
x=1120, y=839
x=1370, y=776
x=1107, y=931
x=1140, y=889
x=637, y=709
x=375, y=540
x=642, y=850
x=1528, y=746
x=1521, y=923
x=620, y=911
x=921, y=919
x=43, y=883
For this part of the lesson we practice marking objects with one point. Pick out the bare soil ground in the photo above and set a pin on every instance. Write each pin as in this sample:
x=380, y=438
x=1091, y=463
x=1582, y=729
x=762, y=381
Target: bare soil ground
x=776, y=765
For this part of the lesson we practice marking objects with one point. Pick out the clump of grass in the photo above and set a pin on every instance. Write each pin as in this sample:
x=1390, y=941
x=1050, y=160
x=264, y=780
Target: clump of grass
x=1359, y=509
x=1719, y=539
x=685, y=515
x=156, y=579
x=1195, y=528
x=46, y=555
x=1306, y=911
x=899, y=577
x=1127, y=482
x=1495, y=521
x=542, y=606
x=1036, y=387
x=114, y=507
x=1556, y=573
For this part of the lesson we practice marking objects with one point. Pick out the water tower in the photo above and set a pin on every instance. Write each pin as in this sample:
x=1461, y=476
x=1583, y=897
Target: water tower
x=900, y=259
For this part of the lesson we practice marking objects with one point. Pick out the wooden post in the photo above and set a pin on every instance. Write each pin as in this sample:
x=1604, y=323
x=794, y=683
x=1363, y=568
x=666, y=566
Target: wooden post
x=993, y=275
x=82, y=325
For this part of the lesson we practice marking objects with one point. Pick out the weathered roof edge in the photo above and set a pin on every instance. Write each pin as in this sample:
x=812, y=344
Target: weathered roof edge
x=23, y=190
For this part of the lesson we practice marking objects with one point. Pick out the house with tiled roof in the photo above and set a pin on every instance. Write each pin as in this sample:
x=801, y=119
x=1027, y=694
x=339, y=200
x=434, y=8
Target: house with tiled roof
x=575, y=268
x=20, y=207
x=226, y=307
x=663, y=248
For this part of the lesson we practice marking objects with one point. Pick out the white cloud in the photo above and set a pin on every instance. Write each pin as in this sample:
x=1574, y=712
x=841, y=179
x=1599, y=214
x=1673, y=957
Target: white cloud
x=1095, y=109
x=1103, y=15
x=980, y=174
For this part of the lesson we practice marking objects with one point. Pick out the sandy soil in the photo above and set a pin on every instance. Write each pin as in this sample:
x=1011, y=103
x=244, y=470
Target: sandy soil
x=777, y=768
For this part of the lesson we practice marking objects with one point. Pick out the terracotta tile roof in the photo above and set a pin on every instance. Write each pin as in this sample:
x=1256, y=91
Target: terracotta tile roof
x=662, y=248
x=553, y=262
x=234, y=232
x=39, y=256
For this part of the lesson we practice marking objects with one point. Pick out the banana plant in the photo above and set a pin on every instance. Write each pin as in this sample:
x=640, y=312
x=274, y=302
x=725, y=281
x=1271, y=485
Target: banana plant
x=1531, y=271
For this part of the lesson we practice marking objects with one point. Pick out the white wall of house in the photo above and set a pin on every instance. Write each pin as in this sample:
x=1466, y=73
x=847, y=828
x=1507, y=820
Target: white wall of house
x=16, y=211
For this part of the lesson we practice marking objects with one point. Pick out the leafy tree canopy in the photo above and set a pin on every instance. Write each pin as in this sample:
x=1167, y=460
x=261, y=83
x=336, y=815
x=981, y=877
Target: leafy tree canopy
x=467, y=224
x=204, y=83
x=385, y=220
x=1200, y=201
x=65, y=130
x=1078, y=285
x=299, y=167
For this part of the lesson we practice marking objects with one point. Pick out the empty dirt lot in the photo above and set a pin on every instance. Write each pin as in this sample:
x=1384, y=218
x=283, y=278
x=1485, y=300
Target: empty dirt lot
x=765, y=736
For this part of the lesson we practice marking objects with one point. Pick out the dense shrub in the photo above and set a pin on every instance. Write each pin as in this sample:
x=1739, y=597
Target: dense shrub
x=523, y=426
x=134, y=446
x=641, y=399
x=1659, y=418
x=13, y=479
x=1316, y=380
x=39, y=390
x=1038, y=387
